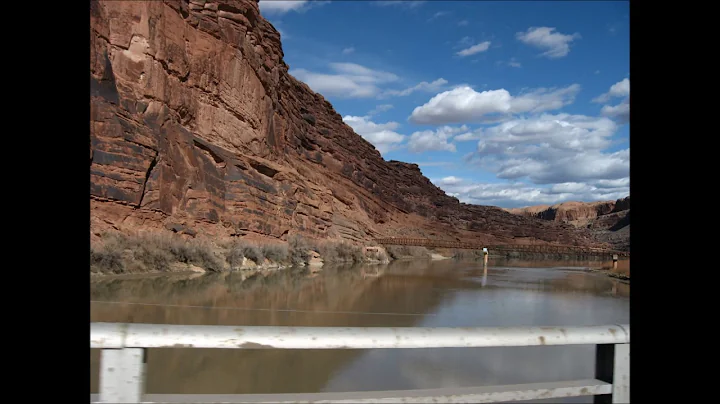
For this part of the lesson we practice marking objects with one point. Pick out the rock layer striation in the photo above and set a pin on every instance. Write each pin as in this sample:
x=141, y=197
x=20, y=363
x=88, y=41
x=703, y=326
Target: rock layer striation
x=609, y=221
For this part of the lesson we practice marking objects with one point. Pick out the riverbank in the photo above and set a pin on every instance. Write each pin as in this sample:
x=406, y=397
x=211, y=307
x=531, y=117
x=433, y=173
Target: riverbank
x=157, y=253
x=621, y=272
x=116, y=254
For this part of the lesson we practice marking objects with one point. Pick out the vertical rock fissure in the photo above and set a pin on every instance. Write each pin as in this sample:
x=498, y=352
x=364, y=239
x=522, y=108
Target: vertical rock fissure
x=153, y=163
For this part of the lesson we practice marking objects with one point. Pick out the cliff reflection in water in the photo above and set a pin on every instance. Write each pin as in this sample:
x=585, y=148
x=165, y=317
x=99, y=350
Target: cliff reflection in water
x=336, y=289
x=421, y=293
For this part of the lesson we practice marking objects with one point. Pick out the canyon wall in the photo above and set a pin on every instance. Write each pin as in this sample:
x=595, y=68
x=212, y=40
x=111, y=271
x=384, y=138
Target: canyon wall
x=196, y=127
x=609, y=221
x=578, y=213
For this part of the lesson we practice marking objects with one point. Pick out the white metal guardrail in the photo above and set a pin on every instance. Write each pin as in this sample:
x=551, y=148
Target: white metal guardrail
x=123, y=359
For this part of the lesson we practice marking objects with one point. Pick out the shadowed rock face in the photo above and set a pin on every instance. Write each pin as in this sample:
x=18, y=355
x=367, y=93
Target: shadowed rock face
x=196, y=124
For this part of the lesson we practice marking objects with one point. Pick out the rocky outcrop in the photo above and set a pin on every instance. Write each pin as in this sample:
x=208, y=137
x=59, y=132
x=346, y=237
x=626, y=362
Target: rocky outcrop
x=197, y=127
x=576, y=213
x=609, y=221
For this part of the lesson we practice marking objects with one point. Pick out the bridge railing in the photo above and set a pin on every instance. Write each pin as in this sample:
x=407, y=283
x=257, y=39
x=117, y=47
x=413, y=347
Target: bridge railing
x=122, y=366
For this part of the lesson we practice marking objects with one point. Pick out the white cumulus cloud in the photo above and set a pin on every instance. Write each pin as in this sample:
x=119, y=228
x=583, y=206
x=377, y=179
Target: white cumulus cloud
x=621, y=111
x=381, y=135
x=551, y=149
x=555, y=44
x=434, y=140
x=465, y=105
x=619, y=89
x=515, y=195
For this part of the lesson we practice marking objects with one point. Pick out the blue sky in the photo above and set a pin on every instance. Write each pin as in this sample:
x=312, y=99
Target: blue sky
x=500, y=103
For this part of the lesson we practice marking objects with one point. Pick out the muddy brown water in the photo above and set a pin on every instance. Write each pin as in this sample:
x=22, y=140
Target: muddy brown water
x=443, y=293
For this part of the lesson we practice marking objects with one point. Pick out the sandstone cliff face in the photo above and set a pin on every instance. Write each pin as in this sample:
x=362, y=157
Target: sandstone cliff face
x=578, y=213
x=609, y=221
x=196, y=126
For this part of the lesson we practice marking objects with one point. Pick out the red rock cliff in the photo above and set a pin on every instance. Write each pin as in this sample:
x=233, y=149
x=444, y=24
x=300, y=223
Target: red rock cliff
x=574, y=212
x=196, y=126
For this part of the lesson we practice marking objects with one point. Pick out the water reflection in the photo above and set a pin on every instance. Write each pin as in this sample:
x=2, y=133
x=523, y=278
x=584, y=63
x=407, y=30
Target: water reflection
x=401, y=294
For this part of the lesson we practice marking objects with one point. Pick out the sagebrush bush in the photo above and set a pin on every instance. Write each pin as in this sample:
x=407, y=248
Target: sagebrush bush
x=340, y=252
x=276, y=252
x=299, y=247
x=151, y=252
x=103, y=260
x=201, y=253
x=397, y=252
x=241, y=248
x=377, y=255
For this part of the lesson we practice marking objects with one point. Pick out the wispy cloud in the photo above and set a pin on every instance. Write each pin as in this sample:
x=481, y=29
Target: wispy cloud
x=463, y=23
x=481, y=47
x=380, y=108
x=399, y=3
x=438, y=15
x=348, y=51
x=556, y=45
x=347, y=80
x=433, y=86
x=279, y=7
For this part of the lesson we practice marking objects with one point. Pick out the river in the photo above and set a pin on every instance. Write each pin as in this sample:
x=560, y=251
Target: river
x=444, y=293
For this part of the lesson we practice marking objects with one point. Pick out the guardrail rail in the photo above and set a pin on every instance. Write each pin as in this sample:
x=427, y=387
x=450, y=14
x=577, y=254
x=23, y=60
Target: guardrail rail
x=122, y=366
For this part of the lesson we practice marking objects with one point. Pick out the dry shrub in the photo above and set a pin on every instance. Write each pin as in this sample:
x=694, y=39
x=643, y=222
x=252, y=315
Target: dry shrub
x=299, y=247
x=340, y=252
x=120, y=253
x=379, y=255
x=397, y=252
x=276, y=252
x=240, y=249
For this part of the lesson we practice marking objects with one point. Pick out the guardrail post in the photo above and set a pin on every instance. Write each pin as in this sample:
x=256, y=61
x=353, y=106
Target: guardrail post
x=621, y=376
x=121, y=375
x=604, y=358
x=612, y=365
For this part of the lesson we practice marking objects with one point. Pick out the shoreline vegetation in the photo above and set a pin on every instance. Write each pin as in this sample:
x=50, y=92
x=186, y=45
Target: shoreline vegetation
x=145, y=253
x=157, y=253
